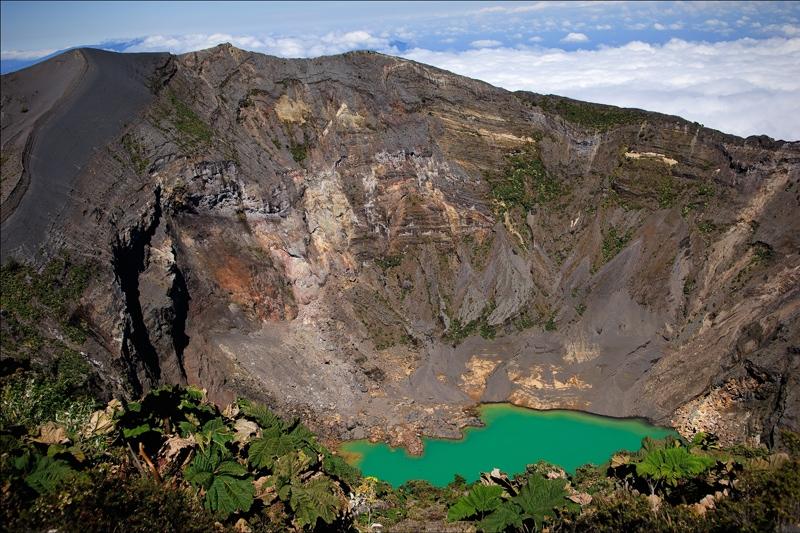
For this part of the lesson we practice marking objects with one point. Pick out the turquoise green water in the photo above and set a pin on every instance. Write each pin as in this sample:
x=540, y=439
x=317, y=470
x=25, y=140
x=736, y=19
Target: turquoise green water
x=512, y=438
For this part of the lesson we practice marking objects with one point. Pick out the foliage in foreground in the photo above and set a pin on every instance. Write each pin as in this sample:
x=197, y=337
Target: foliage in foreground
x=173, y=451
x=668, y=485
x=174, y=461
x=516, y=505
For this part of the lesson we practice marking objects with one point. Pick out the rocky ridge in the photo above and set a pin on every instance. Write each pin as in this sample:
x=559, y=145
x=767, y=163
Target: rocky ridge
x=377, y=245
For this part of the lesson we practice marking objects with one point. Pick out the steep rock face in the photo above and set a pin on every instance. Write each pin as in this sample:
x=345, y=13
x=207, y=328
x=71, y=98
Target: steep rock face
x=377, y=245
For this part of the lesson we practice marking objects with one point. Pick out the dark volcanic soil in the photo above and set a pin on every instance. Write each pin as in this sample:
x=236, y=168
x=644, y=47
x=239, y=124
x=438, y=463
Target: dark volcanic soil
x=378, y=245
x=100, y=93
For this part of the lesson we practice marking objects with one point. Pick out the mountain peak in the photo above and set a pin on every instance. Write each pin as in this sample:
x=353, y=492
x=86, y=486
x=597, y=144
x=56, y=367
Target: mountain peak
x=421, y=235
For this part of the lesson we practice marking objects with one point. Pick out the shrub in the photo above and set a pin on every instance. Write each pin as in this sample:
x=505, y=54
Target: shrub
x=614, y=242
x=29, y=400
x=536, y=501
x=591, y=116
x=624, y=510
x=524, y=182
x=122, y=501
x=226, y=483
x=186, y=121
x=670, y=466
x=299, y=151
x=764, y=500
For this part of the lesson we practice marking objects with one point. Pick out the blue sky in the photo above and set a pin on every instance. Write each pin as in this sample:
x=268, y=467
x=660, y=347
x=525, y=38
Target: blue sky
x=731, y=65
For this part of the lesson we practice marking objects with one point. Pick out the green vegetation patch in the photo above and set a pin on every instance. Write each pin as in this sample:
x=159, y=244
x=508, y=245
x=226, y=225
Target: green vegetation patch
x=479, y=250
x=688, y=286
x=299, y=151
x=192, y=131
x=550, y=324
x=524, y=182
x=188, y=122
x=175, y=449
x=56, y=392
x=458, y=331
x=524, y=321
x=667, y=192
x=614, y=241
x=28, y=297
x=762, y=253
x=136, y=153
x=389, y=261
x=591, y=116
x=706, y=227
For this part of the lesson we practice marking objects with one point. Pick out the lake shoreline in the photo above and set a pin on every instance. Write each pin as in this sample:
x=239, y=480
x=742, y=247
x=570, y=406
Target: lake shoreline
x=475, y=411
x=511, y=437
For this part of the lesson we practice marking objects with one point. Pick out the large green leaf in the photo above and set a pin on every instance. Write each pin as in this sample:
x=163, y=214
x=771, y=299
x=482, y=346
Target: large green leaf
x=672, y=465
x=231, y=468
x=228, y=494
x=315, y=500
x=141, y=429
x=214, y=432
x=501, y=519
x=284, y=489
x=272, y=444
x=261, y=414
x=480, y=500
x=221, y=477
x=50, y=474
x=485, y=497
x=540, y=496
x=460, y=510
x=291, y=465
x=306, y=440
x=200, y=472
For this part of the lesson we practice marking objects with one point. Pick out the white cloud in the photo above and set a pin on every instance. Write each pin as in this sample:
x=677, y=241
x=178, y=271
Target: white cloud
x=661, y=27
x=603, y=27
x=306, y=46
x=526, y=8
x=485, y=43
x=575, y=38
x=24, y=55
x=789, y=30
x=745, y=87
x=535, y=39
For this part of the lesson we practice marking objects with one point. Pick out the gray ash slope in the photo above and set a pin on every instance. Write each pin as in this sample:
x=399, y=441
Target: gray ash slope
x=377, y=245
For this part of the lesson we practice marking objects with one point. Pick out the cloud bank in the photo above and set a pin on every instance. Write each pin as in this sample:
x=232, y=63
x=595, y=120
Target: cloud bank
x=305, y=46
x=12, y=55
x=744, y=87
